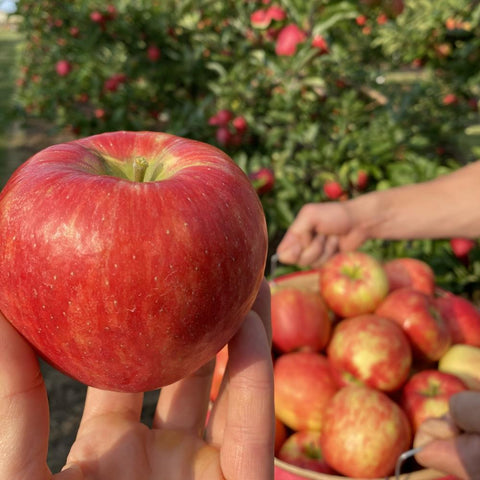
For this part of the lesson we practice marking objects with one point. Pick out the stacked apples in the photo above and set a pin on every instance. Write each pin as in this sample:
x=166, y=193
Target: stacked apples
x=364, y=352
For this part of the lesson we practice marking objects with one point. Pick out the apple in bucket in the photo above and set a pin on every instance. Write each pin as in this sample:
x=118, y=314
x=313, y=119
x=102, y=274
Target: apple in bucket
x=129, y=259
x=353, y=283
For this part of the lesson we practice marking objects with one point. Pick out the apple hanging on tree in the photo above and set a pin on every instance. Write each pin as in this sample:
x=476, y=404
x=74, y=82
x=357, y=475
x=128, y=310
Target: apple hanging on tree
x=129, y=259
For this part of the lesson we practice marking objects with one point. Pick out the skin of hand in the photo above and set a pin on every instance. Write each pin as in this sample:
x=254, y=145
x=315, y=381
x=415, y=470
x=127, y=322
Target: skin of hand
x=410, y=211
x=451, y=444
x=235, y=443
x=319, y=231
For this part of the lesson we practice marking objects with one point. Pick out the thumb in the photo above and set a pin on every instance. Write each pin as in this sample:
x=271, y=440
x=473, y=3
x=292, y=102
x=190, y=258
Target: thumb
x=24, y=419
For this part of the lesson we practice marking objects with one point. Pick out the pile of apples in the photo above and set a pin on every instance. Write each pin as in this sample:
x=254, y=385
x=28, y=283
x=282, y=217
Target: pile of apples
x=363, y=353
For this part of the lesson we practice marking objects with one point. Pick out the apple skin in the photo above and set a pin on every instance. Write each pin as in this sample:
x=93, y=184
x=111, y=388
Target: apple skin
x=416, y=313
x=364, y=432
x=303, y=450
x=127, y=285
x=464, y=362
x=353, y=283
x=300, y=320
x=462, y=317
x=304, y=385
x=370, y=350
x=426, y=394
x=411, y=273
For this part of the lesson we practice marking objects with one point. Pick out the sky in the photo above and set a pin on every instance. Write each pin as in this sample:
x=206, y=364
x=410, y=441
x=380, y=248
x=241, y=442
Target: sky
x=7, y=6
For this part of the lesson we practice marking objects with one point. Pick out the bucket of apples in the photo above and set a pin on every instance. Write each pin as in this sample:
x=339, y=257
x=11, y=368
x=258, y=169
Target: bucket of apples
x=363, y=353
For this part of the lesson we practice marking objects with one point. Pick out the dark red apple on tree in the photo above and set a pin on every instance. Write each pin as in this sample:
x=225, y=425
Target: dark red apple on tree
x=417, y=314
x=461, y=247
x=370, y=350
x=303, y=450
x=263, y=180
x=333, y=190
x=303, y=387
x=300, y=320
x=461, y=316
x=353, y=283
x=411, y=273
x=426, y=394
x=129, y=259
x=364, y=432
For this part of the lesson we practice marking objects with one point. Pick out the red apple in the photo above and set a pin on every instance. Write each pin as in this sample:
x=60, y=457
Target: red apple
x=461, y=247
x=416, y=313
x=353, y=283
x=129, y=259
x=300, y=320
x=303, y=387
x=370, y=350
x=63, y=68
x=280, y=435
x=364, y=432
x=410, y=272
x=462, y=317
x=303, y=450
x=288, y=39
x=153, y=53
x=263, y=180
x=333, y=190
x=426, y=394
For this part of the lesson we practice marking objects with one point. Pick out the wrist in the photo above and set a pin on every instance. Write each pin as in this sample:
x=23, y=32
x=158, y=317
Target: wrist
x=366, y=215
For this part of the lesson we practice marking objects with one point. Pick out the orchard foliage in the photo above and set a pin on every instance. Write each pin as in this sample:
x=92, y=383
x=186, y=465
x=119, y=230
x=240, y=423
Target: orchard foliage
x=333, y=97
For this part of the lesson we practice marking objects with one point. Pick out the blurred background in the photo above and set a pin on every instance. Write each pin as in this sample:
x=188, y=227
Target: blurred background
x=316, y=101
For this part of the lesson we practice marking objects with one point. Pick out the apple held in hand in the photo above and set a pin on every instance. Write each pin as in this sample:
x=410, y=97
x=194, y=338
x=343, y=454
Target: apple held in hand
x=300, y=320
x=353, y=283
x=364, y=433
x=370, y=350
x=303, y=450
x=303, y=387
x=129, y=259
x=416, y=313
x=426, y=395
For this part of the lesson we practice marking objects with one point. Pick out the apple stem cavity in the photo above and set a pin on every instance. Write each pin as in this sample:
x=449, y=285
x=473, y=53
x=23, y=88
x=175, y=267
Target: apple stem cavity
x=139, y=168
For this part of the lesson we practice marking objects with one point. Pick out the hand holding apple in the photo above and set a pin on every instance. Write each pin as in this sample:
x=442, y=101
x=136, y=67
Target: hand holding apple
x=129, y=259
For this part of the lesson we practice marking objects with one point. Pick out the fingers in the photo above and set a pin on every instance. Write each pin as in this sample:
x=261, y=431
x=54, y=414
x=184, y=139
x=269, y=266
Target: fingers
x=446, y=445
x=246, y=449
x=262, y=306
x=100, y=403
x=464, y=409
x=24, y=417
x=184, y=404
x=314, y=235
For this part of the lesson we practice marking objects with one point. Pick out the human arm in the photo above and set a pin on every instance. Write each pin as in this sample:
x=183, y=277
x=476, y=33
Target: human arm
x=441, y=208
x=235, y=443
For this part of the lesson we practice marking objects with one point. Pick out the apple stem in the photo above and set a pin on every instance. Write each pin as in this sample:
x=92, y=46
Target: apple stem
x=139, y=168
